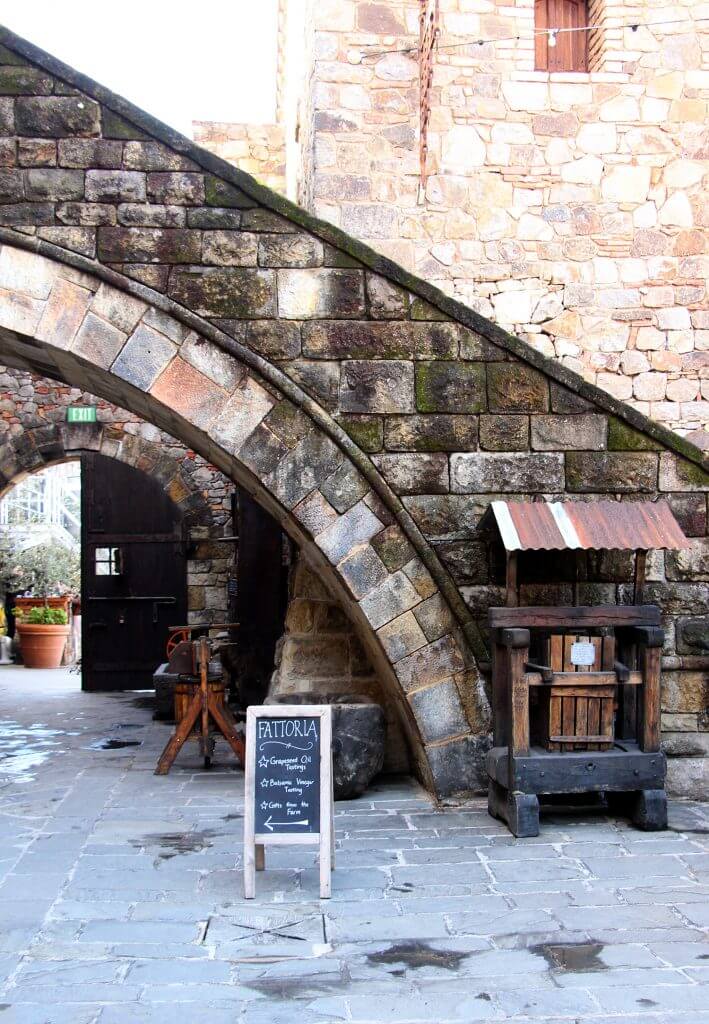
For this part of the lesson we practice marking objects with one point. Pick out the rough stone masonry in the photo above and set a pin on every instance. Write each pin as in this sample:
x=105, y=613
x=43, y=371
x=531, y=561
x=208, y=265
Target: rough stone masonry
x=373, y=415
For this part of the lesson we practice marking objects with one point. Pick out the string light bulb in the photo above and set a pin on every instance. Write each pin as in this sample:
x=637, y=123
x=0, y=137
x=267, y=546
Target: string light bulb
x=552, y=37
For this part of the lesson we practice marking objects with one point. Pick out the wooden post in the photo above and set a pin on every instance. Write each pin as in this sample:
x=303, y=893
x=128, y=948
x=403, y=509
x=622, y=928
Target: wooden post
x=649, y=660
x=326, y=807
x=640, y=566
x=511, y=581
x=249, y=796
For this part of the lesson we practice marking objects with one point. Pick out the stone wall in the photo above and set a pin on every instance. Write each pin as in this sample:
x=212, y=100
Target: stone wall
x=374, y=416
x=321, y=653
x=571, y=208
x=259, y=149
x=28, y=404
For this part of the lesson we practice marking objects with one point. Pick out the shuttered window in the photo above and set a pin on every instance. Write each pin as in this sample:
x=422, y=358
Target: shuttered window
x=570, y=52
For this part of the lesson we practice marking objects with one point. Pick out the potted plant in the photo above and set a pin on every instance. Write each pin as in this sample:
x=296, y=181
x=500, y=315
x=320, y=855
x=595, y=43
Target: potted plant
x=43, y=635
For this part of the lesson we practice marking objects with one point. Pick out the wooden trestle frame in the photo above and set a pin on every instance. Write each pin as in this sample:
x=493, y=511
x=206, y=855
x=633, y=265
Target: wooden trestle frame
x=203, y=707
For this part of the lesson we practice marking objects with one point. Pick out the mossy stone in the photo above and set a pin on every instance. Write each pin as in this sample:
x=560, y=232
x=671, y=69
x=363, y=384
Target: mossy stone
x=366, y=431
x=624, y=438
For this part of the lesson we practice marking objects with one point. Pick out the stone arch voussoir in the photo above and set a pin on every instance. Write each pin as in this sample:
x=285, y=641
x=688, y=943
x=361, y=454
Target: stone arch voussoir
x=112, y=340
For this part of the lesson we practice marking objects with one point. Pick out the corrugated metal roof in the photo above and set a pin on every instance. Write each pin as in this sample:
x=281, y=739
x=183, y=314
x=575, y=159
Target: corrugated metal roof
x=588, y=526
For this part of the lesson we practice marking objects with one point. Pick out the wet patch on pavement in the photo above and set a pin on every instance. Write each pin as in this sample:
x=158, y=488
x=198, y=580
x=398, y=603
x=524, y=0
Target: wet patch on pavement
x=418, y=954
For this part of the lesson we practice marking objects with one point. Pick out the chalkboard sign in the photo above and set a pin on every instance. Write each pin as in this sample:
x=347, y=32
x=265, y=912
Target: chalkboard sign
x=288, y=785
x=287, y=774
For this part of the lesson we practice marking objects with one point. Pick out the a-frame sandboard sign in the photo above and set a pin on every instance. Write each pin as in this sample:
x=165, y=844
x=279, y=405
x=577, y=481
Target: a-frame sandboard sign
x=288, y=786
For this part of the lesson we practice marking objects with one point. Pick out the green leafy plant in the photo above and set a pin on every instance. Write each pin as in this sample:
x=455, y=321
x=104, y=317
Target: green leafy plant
x=43, y=616
x=44, y=570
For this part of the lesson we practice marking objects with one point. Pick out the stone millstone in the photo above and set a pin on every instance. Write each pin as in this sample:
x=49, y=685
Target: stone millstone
x=358, y=738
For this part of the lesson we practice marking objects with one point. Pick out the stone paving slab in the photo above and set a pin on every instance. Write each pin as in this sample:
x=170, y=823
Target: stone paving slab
x=120, y=896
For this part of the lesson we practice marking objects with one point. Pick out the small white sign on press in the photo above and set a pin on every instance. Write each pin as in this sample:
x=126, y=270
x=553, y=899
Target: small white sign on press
x=288, y=786
x=583, y=654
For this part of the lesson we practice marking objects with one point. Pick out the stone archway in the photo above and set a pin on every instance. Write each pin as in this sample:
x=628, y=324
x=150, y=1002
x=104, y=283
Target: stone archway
x=75, y=326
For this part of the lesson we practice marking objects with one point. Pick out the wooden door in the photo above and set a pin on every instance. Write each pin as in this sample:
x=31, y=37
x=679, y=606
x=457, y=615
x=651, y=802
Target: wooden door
x=134, y=574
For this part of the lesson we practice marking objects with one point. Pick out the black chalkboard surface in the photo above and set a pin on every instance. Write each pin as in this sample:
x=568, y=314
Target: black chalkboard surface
x=287, y=775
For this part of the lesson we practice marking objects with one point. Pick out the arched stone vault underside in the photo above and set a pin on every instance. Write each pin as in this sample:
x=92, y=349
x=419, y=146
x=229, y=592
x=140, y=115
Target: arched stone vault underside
x=41, y=445
x=73, y=326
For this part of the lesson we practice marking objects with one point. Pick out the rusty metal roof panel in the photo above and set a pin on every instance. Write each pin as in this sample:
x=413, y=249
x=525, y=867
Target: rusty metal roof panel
x=587, y=526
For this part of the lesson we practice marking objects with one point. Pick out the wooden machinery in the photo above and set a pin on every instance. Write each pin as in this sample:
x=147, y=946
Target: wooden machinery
x=201, y=711
x=576, y=690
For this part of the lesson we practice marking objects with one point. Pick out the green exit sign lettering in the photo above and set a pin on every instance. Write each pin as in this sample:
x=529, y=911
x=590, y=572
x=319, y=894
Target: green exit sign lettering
x=81, y=414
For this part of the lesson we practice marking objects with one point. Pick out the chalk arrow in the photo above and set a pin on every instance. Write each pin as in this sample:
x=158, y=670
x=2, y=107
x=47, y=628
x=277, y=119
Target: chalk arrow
x=277, y=824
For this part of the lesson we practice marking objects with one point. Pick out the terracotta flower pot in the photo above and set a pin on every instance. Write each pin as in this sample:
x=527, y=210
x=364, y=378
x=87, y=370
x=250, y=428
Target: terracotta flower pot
x=42, y=646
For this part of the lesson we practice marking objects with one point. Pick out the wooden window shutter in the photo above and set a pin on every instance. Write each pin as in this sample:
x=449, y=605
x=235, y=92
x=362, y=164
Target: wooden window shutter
x=571, y=50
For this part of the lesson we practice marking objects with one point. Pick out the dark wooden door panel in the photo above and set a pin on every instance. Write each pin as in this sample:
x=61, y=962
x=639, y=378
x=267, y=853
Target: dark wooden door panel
x=133, y=574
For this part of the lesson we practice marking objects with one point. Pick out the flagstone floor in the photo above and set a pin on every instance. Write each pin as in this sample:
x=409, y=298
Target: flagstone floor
x=120, y=895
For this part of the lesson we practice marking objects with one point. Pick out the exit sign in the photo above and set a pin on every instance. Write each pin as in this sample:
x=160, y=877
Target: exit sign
x=81, y=414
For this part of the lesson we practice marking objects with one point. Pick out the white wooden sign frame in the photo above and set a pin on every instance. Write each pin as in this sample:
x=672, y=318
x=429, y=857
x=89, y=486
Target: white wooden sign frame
x=255, y=843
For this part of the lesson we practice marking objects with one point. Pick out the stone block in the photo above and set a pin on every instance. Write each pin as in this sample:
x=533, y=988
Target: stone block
x=559, y=433
x=514, y=387
x=53, y=183
x=284, y=250
x=319, y=378
x=63, y=313
x=450, y=387
x=356, y=527
x=315, y=513
x=98, y=153
x=466, y=560
x=345, y=487
x=12, y=186
x=678, y=474
x=98, y=341
x=434, y=617
x=110, y=186
x=56, y=117
x=259, y=219
x=690, y=511
x=439, y=713
x=363, y=570
x=87, y=214
x=367, y=220
x=414, y=474
x=487, y=472
x=304, y=468
x=333, y=339
x=81, y=240
x=385, y=386
x=320, y=293
x=459, y=766
x=149, y=155
x=626, y=184
x=289, y=423
x=149, y=245
x=262, y=451
x=504, y=433
x=178, y=188
x=614, y=472
x=150, y=215
x=272, y=339
x=435, y=433
x=229, y=248
x=24, y=81
x=387, y=301
x=20, y=312
x=692, y=635
x=401, y=637
x=445, y=517
x=208, y=358
x=25, y=215
x=390, y=599
x=692, y=563
x=623, y=437
x=366, y=431
x=143, y=358
x=187, y=392
x=213, y=218
x=393, y=547
x=242, y=414
x=224, y=292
